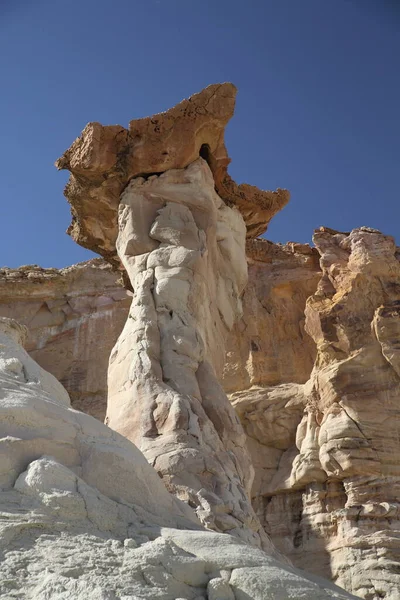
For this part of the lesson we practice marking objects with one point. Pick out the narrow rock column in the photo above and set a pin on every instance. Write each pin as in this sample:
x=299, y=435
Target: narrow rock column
x=184, y=251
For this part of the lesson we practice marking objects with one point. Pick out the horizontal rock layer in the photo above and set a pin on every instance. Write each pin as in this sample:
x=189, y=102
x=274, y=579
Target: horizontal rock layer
x=74, y=316
x=327, y=453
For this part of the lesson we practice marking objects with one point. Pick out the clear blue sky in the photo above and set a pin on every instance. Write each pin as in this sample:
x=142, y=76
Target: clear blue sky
x=318, y=108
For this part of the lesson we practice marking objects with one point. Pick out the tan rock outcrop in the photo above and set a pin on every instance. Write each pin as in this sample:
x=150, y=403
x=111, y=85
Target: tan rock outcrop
x=268, y=345
x=269, y=354
x=74, y=316
x=332, y=505
x=84, y=516
x=104, y=159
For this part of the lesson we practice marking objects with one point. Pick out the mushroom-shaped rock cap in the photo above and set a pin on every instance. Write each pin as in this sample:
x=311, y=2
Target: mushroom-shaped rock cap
x=105, y=158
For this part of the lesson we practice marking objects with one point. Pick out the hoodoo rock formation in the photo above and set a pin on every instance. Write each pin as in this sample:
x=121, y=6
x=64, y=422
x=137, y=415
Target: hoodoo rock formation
x=83, y=515
x=181, y=241
x=183, y=251
x=260, y=380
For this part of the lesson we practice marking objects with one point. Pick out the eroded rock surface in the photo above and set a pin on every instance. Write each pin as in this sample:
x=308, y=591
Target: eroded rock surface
x=74, y=316
x=184, y=251
x=104, y=159
x=324, y=444
x=270, y=354
x=332, y=505
x=268, y=346
x=83, y=515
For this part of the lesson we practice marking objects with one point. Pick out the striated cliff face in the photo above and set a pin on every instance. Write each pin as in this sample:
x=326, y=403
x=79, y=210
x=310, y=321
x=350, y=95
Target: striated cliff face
x=270, y=355
x=74, y=317
x=268, y=345
x=327, y=452
x=352, y=425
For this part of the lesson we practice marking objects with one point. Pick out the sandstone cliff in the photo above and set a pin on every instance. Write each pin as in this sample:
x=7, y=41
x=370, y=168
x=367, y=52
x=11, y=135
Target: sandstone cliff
x=268, y=345
x=74, y=316
x=327, y=452
x=348, y=440
x=84, y=516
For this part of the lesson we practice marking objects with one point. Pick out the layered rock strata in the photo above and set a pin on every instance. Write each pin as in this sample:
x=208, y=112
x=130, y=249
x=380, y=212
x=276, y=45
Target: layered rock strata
x=74, y=316
x=328, y=475
x=83, y=515
x=268, y=345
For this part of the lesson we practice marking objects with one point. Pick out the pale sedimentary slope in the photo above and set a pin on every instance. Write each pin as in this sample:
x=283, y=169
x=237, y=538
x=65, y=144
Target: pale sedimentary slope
x=83, y=515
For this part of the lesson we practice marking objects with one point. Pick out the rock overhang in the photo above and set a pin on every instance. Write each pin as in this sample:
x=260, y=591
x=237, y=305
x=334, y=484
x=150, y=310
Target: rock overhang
x=104, y=159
